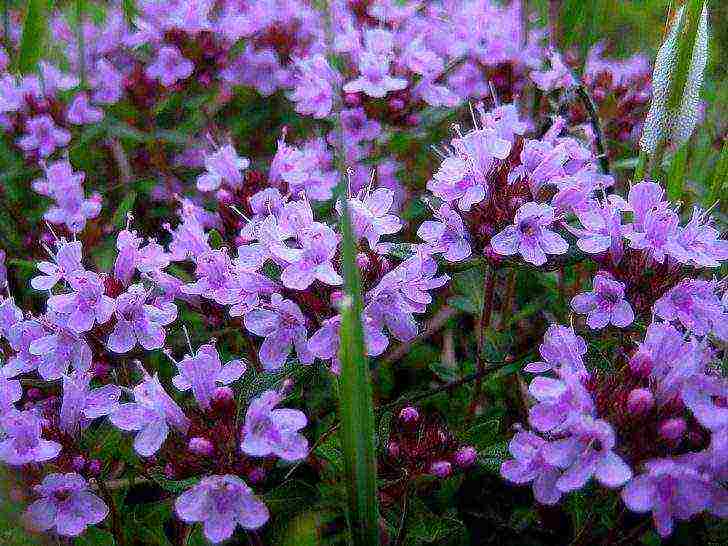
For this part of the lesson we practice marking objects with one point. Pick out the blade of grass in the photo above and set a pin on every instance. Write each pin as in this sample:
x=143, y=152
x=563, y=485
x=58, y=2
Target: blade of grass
x=720, y=178
x=81, y=40
x=32, y=41
x=676, y=176
x=355, y=400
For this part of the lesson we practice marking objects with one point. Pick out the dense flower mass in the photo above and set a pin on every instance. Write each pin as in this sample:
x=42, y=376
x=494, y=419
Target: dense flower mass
x=175, y=273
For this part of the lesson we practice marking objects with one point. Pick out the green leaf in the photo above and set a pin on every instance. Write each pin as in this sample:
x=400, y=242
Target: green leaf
x=32, y=41
x=355, y=403
x=93, y=536
x=125, y=207
x=676, y=176
x=720, y=177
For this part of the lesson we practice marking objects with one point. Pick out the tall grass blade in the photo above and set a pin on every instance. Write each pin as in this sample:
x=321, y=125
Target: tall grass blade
x=676, y=176
x=355, y=402
x=81, y=40
x=35, y=31
x=719, y=185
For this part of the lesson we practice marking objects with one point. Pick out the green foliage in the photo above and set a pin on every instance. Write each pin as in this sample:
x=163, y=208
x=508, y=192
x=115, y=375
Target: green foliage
x=33, y=40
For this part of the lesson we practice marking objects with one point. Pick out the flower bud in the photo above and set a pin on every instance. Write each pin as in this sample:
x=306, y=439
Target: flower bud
x=169, y=472
x=256, y=475
x=441, y=469
x=640, y=401
x=672, y=429
x=34, y=394
x=336, y=297
x=641, y=364
x=396, y=105
x=409, y=415
x=201, y=446
x=362, y=261
x=100, y=369
x=393, y=449
x=94, y=467
x=78, y=463
x=352, y=99
x=413, y=119
x=223, y=395
x=465, y=456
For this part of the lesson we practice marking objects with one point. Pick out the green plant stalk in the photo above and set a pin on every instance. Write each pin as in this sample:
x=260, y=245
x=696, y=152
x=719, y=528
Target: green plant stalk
x=676, y=176
x=720, y=178
x=6, y=25
x=355, y=400
x=81, y=39
x=34, y=34
x=639, y=172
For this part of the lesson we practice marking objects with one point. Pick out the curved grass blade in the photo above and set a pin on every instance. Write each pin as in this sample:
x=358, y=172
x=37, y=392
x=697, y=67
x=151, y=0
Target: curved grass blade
x=355, y=402
x=32, y=41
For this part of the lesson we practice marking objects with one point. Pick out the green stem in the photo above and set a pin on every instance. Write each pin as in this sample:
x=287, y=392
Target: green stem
x=81, y=39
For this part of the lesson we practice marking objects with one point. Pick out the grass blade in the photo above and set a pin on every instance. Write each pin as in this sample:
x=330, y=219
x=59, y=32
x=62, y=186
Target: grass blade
x=676, y=176
x=32, y=41
x=355, y=402
x=719, y=186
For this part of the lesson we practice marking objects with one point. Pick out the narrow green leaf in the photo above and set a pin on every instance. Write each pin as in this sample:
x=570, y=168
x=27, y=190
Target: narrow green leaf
x=32, y=41
x=125, y=207
x=81, y=39
x=676, y=176
x=719, y=185
x=355, y=402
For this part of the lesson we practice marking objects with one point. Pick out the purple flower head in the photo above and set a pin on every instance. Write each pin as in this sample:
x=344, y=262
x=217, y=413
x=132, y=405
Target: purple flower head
x=66, y=505
x=86, y=305
x=670, y=491
x=448, y=236
x=20, y=336
x=268, y=431
x=22, y=443
x=66, y=188
x=375, y=79
x=660, y=227
x=10, y=392
x=139, y=322
x=223, y=166
x=81, y=403
x=203, y=372
x=441, y=469
x=358, y=127
x=588, y=452
x=530, y=465
x=221, y=503
x=151, y=414
x=189, y=238
x=530, y=235
x=561, y=402
x=170, y=66
x=324, y=344
x=107, y=82
x=60, y=348
x=42, y=135
x=557, y=77
x=605, y=304
x=465, y=456
x=369, y=215
x=283, y=326
x=302, y=171
x=66, y=263
x=132, y=256
x=10, y=315
x=706, y=396
x=602, y=231
x=695, y=304
x=12, y=97
x=80, y=111
x=311, y=262
x=214, y=276
x=314, y=89
x=698, y=243
x=562, y=350
x=642, y=199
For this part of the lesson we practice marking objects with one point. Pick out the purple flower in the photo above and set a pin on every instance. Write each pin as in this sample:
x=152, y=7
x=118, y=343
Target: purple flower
x=149, y=258
x=224, y=165
x=530, y=235
x=602, y=231
x=10, y=315
x=284, y=327
x=80, y=112
x=561, y=402
x=314, y=92
x=22, y=443
x=302, y=171
x=311, y=262
x=529, y=465
x=151, y=413
x=358, y=127
x=66, y=262
x=20, y=336
x=324, y=344
x=605, y=304
x=203, y=372
x=66, y=505
x=139, y=322
x=557, y=77
x=86, y=305
x=375, y=79
x=61, y=348
x=221, y=503
x=698, y=242
x=268, y=431
x=42, y=134
x=695, y=304
x=562, y=350
x=369, y=217
x=10, y=392
x=588, y=452
x=189, y=238
x=82, y=404
x=170, y=66
x=670, y=491
x=108, y=83
x=702, y=394
x=449, y=236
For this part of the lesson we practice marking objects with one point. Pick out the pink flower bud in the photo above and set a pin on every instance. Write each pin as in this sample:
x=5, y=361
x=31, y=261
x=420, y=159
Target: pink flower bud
x=393, y=449
x=256, y=475
x=409, y=415
x=34, y=394
x=672, y=429
x=413, y=119
x=396, y=104
x=224, y=395
x=362, y=261
x=352, y=99
x=336, y=297
x=640, y=401
x=465, y=456
x=201, y=446
x=78, y=463
x=441, y=469
x=641, y=364
x=94, y=467
x=169, y=471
